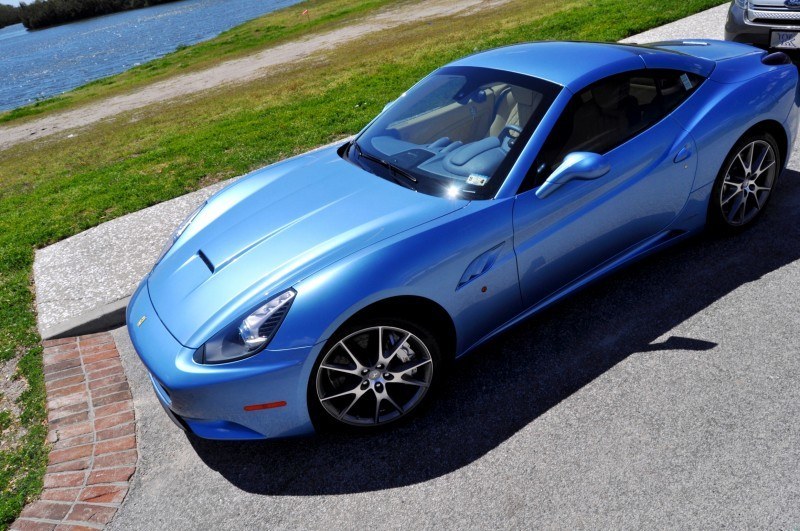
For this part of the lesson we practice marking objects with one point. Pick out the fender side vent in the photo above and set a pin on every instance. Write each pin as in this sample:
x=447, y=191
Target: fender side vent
x=480, y=265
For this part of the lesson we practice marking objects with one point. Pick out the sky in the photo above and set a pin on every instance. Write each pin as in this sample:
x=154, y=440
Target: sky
x=11, y=2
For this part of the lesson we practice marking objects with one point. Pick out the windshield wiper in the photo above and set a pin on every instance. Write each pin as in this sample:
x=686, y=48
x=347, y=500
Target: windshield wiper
x=396, y=170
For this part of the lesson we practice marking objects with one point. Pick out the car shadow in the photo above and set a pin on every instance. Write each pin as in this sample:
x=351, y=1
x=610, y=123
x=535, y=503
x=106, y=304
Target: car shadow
x=510, y=382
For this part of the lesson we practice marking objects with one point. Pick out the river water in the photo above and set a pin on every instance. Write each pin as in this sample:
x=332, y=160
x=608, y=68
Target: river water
x=40, y=64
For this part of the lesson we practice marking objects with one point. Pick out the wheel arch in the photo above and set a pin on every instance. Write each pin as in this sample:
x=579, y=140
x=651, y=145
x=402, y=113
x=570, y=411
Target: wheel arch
x=417, y=309
x=770, y=127
x=777, y=131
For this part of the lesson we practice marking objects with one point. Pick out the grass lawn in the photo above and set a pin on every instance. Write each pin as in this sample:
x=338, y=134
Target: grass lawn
x=57, y=187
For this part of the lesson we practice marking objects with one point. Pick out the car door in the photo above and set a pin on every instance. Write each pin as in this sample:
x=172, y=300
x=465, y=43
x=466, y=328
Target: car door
x=649, y=165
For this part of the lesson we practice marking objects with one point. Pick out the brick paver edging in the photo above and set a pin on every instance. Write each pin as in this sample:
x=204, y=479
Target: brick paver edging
x=92, y=432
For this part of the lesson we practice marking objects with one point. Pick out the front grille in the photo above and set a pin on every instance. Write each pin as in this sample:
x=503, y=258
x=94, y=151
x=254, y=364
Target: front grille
x=767, y=4
x=772, y=12
x=773, y=15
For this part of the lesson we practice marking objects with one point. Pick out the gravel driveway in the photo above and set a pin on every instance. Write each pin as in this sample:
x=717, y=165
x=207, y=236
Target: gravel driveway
x=665, y=396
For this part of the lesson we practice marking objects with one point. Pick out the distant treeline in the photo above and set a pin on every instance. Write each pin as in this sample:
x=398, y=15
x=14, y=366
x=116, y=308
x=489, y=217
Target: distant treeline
x=44, y=13
x=8, y=15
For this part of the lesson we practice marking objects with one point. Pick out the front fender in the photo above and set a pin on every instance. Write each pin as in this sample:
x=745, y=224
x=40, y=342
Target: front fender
x=427, y=262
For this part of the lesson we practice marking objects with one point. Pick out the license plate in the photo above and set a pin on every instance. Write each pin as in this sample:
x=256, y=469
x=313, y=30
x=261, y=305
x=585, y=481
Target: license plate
x=785, y=39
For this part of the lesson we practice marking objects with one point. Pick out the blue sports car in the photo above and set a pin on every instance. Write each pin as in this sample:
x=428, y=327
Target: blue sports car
x=332, y=290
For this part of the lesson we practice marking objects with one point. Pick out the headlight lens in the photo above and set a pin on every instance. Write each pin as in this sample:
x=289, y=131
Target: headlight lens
x=180, y=229
x=250, y=336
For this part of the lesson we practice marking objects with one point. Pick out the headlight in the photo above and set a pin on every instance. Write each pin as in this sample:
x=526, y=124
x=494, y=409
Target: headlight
x=250, y=336
x=178, y=231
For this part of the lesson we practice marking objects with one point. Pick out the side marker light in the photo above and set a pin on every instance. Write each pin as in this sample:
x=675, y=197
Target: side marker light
x=268, y=405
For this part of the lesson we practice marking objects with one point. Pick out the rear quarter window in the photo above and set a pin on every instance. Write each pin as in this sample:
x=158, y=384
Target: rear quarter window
x=675, y=87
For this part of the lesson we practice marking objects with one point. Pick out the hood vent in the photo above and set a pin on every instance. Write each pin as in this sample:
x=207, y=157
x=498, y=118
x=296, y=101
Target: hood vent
x=205, y=260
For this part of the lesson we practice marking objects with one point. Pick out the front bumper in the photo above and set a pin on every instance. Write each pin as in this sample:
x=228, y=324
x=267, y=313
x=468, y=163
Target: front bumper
x=209, y=400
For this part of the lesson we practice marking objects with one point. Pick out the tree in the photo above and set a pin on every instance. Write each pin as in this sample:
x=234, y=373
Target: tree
x=44, y=13
x=8, y=15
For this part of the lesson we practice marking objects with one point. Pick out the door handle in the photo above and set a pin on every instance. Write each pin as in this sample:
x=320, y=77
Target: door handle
x=684, y=153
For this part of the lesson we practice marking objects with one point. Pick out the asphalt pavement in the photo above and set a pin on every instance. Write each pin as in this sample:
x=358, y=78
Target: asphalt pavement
x=667, y=395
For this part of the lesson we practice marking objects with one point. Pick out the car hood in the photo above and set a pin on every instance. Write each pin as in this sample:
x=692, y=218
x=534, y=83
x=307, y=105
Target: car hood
x=273, y=228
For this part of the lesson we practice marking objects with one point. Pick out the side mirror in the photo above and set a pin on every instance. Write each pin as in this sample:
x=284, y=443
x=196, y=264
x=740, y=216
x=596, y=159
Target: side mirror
x=580, y=165
x=388, y=105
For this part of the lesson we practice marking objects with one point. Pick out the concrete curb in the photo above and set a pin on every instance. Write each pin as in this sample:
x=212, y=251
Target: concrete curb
x=92, y=434
x=101, y=319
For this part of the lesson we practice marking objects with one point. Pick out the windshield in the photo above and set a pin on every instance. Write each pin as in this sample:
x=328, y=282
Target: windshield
x=456, y=133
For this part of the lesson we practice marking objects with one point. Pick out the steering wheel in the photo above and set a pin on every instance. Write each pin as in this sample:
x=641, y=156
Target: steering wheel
x=509, y=135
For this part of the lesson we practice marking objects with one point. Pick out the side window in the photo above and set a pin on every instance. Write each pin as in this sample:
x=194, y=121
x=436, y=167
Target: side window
x=675, y=87
x=610, y=112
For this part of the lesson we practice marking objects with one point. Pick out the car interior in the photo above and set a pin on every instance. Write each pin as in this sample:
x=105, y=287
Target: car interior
x=464, y=139
x=610, y=112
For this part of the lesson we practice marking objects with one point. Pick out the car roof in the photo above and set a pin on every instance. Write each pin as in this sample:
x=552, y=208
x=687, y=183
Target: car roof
x=577, y=64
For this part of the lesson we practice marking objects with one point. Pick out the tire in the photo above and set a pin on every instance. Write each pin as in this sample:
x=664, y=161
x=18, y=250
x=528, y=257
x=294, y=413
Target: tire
x=741, y=191
x=346, y=381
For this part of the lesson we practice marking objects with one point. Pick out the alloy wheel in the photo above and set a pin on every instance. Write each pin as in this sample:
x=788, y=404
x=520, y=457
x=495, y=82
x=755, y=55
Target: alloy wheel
x=374, y=376
x=748, y=182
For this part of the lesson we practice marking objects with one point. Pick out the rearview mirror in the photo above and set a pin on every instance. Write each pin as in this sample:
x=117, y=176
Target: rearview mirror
x=580, y=165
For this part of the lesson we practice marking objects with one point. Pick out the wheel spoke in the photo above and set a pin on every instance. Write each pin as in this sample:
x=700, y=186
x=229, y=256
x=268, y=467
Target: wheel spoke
x=409, y=370
x=760, y=160
x=359, y=394
x=735, y=208
x=745, y=197
x=750, y=157
x=742, y=162
x=416, y=383
x=378, y=401
x=761, y=170
x=736, y=192
x=345, y=393
x=393, y=403
x=352, y=356
x=338, y=368
x=758, y=202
